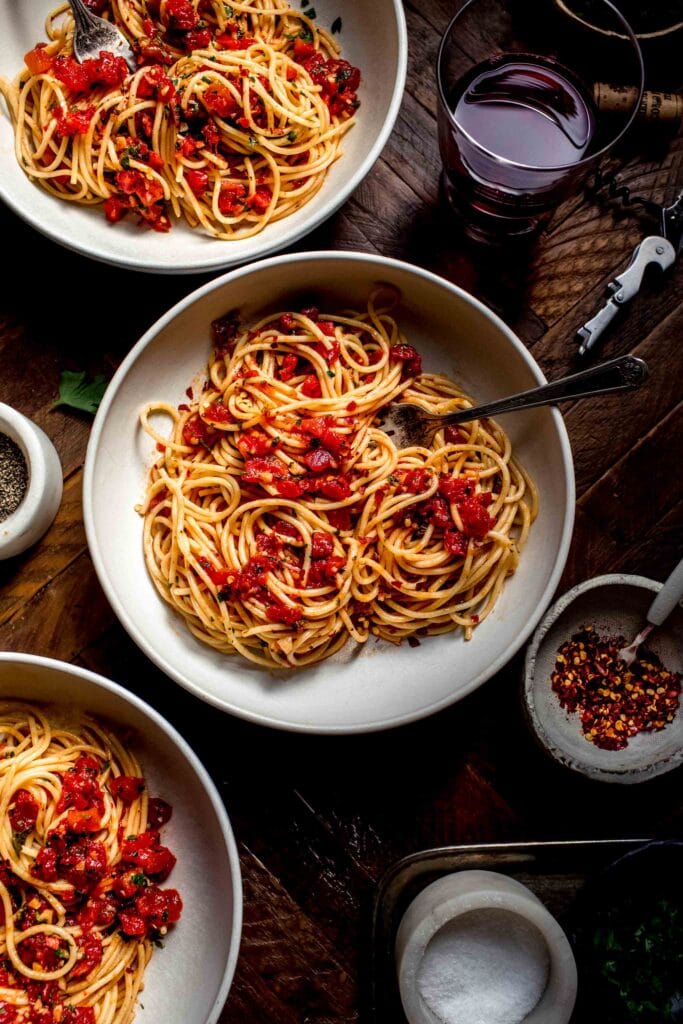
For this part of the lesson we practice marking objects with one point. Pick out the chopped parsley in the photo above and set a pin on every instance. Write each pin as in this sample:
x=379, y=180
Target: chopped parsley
x=336, y=26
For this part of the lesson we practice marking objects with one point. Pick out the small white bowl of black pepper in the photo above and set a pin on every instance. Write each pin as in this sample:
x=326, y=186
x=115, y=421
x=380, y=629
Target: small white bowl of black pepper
x=30, y=482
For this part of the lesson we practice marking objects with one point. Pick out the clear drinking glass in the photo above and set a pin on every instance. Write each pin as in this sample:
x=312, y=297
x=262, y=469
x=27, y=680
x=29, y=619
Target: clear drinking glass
x=529, y=101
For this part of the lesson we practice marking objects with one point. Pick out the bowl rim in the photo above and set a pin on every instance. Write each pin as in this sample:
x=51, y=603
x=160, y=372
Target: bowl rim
x=662, y=764
x=131, y=626
x=102, y=683
x=222, y=259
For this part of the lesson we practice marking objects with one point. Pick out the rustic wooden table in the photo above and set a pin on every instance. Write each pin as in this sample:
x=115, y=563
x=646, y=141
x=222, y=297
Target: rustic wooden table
x=320, y=819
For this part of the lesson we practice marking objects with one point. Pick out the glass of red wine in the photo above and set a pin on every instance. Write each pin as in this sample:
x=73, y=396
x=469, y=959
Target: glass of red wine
x=519, y=128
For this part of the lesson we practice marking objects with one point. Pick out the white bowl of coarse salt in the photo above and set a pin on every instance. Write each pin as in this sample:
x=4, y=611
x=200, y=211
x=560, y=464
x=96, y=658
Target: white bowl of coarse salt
x=478, y=947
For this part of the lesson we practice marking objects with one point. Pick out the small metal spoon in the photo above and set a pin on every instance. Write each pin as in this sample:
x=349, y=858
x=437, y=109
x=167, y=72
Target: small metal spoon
x=93, y=34
x=660, y=609
x=409, y=425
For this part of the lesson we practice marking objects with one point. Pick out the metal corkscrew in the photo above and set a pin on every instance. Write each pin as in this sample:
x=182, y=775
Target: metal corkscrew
x=659, y=250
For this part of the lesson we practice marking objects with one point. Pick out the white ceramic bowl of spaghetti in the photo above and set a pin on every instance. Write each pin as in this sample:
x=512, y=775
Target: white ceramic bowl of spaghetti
x=361, y=687
x=371, y=35
x=204, y=944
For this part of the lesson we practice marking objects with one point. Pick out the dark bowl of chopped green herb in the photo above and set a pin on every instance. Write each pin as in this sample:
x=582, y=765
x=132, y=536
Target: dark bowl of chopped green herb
x=30, y=482
x=627, y=933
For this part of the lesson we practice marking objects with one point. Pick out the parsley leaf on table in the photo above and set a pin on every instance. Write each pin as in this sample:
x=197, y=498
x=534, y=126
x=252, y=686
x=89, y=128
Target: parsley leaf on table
x=76, y=391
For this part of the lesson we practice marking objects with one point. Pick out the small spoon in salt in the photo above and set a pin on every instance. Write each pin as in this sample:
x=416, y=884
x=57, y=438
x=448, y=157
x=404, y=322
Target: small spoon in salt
x=660, y=609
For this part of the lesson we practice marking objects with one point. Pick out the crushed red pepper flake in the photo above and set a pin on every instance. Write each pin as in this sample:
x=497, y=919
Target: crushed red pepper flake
x=615, y=701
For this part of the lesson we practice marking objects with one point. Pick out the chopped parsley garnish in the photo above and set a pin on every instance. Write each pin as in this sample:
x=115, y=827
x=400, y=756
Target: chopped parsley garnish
x=336, y=26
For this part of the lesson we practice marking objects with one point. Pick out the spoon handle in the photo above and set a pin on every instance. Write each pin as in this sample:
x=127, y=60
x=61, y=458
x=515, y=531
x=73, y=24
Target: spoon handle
x=622, y=374
x=668, y=597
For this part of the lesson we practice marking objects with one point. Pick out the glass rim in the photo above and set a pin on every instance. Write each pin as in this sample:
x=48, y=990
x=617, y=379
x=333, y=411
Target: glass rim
x=577, y=164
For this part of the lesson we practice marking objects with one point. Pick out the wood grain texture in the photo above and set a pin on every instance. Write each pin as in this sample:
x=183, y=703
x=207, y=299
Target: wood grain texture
x=320, y=819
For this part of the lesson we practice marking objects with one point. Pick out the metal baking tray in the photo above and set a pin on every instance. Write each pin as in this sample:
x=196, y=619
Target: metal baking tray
x=554, y=871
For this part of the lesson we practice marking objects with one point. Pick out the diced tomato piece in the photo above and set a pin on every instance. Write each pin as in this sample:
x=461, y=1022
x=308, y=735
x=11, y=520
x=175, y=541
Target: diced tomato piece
x=231, y=198
x=78, y=1015
x=180, y=14
x=261, y=199
x=335, y=488
x=322, y=545
x=476, y=522
x=454, y=489
x=45, y=864
x=219, y=100
x=108, y=69
x=90, y=954
x=455, y=543
x=132, y=924
x=98, y=910
x=277, y=611
x=416, y=480
x=220, y=576
x=189, y=146
x=454, y=435
x=286, y=530
x=211, y=135
x=197, y=39
x=159, y=812
x=263, y=470
x=256, y=442
x=115, y=209
x=145, y=853
x=156, y=161
x=292, y=73
x=320, y=460
x=288, y=367
x=197, y=180
x=339, y=518
x=291, y=488
x=159, y=907
x=217, y=413
x=288, y=325
x=70, y=73
x=83, y=863
x=127, y=788
x=411, y=358
x=38, y=61
x=80, y=788
x=437, y=512
x=196, y=432
x=23, y=812
x=310, y=386
x=81, y=823
x=8, y=1012
x=224, y=331
x=302, y=49
x=312, y=312
x=74, y=122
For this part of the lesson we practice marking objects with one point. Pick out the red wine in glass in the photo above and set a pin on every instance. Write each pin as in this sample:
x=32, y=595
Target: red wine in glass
x=520, y=124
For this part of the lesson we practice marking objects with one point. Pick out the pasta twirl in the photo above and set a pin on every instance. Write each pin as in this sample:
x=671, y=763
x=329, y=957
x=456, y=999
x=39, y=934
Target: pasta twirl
x=280, y=519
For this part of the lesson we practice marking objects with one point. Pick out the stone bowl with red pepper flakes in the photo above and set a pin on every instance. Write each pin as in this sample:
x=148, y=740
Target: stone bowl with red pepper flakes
x=587, y=709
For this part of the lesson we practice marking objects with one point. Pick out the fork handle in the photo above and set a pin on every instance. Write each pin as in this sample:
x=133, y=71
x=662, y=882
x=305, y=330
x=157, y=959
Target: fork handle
x=623, y=374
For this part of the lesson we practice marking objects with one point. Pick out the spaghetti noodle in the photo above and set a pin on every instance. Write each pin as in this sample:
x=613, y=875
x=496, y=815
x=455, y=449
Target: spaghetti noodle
x=231, y=121
x=280, y=520
x=81, y=860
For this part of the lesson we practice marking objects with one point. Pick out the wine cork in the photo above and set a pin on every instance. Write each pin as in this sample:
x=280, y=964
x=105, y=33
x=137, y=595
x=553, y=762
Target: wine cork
x=655, y=107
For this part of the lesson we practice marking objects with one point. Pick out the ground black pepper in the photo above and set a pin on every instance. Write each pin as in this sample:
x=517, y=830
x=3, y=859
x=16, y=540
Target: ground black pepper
x=13, y=476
